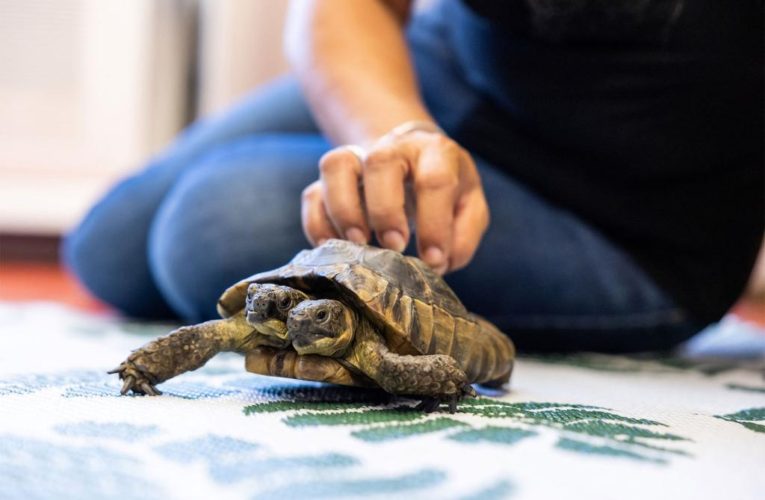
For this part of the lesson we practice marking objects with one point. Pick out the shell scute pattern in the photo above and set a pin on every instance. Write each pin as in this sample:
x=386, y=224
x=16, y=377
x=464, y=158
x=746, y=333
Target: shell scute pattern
x=369, y=287
x=415, y=308
x=397, y=292
x=443, y=332
x=421, y=331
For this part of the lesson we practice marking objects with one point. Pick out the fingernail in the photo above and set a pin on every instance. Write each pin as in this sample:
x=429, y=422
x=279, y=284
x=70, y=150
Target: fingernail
x=434, y=257
x=356, y=235
x=394, y=240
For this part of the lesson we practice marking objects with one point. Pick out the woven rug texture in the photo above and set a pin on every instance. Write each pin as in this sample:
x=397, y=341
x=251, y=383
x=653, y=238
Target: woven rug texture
x=580, y=426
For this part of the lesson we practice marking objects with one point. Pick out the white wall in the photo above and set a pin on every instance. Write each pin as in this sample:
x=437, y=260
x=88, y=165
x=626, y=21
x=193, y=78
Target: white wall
x=241, y=48
x=89, y=89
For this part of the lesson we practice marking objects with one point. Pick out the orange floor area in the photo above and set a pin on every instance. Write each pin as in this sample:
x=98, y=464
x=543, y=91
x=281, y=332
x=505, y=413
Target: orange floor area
x=752, y=311
x=21, y=281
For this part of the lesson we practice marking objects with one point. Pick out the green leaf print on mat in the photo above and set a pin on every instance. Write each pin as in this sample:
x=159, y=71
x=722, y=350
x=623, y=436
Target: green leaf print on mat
x=545, y=413
x=424, y=426
x=589, y=448
x=603, y=431
x=581, y=428
x=277, y=406
x=394, y=416
x=492, y=434
x=753, y=419
x=746, y=388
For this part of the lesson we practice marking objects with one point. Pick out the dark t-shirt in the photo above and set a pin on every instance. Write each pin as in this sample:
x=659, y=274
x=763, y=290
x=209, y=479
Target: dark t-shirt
x=643, y=118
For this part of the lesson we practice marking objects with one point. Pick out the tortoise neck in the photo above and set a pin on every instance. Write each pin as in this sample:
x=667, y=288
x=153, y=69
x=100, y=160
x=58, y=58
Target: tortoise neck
x=368, y=344
x=236, y=335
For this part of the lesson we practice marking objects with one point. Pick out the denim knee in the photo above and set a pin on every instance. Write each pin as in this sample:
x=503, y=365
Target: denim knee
x=107, y=253
x=235, y=213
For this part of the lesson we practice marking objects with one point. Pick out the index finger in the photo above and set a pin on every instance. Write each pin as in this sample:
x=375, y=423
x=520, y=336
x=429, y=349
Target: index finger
x=436, y=188
x=340, y=171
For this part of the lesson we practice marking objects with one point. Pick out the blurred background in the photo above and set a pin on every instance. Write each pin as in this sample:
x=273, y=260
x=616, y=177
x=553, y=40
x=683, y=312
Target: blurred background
x=89, y=89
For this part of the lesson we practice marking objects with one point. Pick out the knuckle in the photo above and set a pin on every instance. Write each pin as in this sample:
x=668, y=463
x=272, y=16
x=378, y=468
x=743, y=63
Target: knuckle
x=445, y=143
x=310, y=192
x=380, y=158
x=336, y=161
x=436, y=179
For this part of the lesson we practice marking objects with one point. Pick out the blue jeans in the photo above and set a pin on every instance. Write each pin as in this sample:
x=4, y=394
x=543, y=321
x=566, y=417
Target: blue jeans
x=223, y=202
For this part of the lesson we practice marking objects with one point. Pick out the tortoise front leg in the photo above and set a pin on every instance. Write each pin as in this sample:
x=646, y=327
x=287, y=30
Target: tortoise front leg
x=433, y=378
x=185, y=349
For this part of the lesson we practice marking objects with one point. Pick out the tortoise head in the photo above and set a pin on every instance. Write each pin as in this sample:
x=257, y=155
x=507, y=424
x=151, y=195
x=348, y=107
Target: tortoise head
x=324, y=327
x=268, y=306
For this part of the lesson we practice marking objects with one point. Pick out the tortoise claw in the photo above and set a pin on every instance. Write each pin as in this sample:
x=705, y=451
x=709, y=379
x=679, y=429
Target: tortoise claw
x=431, y=404
x=136, y=379
x=127, y=385
x=453, y=404
x=428, y=405
x=149, y=390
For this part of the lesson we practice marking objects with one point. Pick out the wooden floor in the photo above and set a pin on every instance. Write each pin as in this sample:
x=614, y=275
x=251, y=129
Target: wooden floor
x=26, y=281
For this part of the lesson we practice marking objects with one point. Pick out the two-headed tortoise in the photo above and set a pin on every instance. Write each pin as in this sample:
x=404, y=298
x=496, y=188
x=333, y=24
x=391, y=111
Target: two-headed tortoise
x=341, y=313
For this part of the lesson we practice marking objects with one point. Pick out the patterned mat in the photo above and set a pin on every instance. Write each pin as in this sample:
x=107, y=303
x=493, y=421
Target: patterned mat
x=583, y=426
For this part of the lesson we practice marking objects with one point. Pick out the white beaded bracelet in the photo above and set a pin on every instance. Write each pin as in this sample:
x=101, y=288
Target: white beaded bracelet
x=359, y=152
x=399, y=130
x=414, y=126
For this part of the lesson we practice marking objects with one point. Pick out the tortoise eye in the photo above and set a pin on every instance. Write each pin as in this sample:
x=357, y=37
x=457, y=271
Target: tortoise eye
x=322, y=315
x=285, y=302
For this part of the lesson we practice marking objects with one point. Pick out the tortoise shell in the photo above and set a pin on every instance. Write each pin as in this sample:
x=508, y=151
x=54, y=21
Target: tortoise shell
x=413, y=306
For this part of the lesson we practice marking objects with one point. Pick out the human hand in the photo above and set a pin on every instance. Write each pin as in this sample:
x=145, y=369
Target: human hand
x=355, y=196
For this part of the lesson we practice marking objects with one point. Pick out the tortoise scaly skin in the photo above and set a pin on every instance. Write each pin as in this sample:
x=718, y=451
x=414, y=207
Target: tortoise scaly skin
x=388, y=321
x=261, y=323
x=267, y=307
x=330, y=328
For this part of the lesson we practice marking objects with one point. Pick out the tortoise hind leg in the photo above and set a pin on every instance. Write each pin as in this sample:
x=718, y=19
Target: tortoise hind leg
x=495, y=384
x=499, y=382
